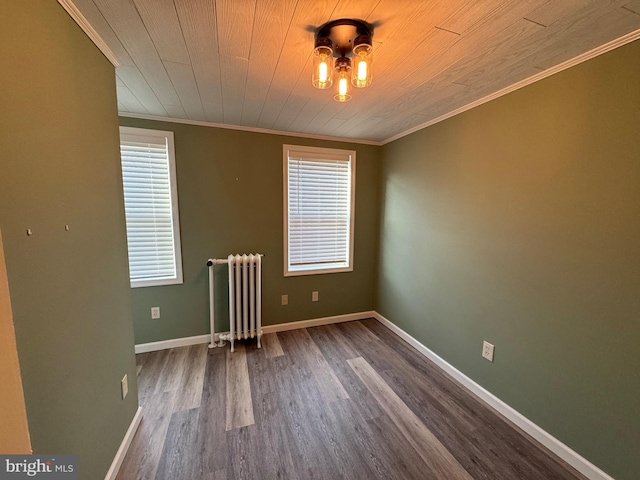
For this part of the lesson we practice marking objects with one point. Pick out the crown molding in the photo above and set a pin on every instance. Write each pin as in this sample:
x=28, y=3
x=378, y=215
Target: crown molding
x=200, y=123
x=607, y=47
x=84, y=24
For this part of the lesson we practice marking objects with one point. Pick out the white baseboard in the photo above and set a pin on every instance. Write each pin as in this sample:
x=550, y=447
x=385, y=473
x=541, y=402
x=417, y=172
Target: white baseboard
x=316, y=322
x=561, y=450
x=280, y=327
x=313, y=322
x=124, y=446
x=172, y=343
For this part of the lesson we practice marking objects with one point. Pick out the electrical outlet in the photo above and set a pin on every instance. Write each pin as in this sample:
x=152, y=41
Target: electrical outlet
x=124, y=384
x=314, y=296
x=155, y=313
x=285, y=299
x=487, y=350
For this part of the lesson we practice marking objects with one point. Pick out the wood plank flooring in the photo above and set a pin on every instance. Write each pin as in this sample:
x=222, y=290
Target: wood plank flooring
x=345, y=401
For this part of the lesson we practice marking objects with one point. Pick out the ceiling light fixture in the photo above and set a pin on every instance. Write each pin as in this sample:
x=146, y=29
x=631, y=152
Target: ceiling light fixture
x=348, y=41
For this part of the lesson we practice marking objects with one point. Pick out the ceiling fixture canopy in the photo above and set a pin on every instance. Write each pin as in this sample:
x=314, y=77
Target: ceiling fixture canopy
x=343, y=48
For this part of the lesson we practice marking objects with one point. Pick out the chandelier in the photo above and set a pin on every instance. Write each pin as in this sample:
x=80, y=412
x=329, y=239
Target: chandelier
x=343, y=49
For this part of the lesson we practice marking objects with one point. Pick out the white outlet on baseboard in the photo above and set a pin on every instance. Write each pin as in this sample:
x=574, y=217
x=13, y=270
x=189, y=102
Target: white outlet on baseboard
x=314, y=296
x=487, y=350
x=124, y=384
x=155, y=313
x=285, y=299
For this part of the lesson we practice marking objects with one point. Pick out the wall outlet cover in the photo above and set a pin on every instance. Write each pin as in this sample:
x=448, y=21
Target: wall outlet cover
x=155, y=313
x=314, y=296
x=487, y=350
x=285, y=299
x=124, y=384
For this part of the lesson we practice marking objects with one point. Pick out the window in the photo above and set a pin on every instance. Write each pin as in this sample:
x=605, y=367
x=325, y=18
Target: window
x=319, y=188
x=151, y=207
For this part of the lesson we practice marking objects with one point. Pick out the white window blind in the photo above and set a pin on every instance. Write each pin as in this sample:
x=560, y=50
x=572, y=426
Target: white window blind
x=150, y=201
x=319, y=210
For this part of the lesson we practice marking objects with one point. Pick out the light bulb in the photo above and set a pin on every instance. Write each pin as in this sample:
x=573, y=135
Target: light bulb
x=323, y=72
x=362, y=71
x=342, y=87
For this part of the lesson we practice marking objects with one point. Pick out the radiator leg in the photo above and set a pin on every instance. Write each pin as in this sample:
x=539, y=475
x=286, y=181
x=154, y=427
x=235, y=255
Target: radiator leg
x=259, y=300
x=230, y=261
x=245, y=296
x=238, y=295
x=212, y=303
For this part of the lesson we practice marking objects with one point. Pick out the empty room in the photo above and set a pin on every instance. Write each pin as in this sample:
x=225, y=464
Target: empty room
x=337, y=239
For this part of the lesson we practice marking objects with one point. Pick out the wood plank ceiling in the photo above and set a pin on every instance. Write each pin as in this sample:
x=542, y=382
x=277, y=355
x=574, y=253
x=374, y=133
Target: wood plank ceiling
x=247, y=62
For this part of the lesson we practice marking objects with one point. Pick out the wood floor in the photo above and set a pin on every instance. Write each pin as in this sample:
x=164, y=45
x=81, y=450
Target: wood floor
x=345, y=401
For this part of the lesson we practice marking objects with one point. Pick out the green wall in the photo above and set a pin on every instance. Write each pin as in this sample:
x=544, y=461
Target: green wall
x=230, y=201
x=515, y=222
x=518, y=222
x=59, y=165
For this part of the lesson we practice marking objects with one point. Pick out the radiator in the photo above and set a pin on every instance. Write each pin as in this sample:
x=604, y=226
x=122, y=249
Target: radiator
x=245, y=297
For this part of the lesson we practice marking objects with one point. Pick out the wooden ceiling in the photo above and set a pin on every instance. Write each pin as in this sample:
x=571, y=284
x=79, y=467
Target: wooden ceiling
x=247, y=62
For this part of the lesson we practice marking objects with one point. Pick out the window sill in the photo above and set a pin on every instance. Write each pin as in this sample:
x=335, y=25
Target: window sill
x=156, y=283
x=310, y=270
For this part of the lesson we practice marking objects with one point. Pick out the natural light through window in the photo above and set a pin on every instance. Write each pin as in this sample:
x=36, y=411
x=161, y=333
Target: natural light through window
x=319, y=210
x=151, y=207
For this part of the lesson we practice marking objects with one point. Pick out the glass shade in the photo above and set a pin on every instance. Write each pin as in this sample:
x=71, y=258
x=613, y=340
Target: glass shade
x=362, y=62
x=342, y=87
x=322, y=67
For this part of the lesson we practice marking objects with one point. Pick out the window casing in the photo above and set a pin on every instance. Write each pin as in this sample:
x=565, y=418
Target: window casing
x=151, y=207
x=319, y=208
